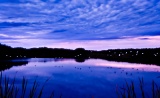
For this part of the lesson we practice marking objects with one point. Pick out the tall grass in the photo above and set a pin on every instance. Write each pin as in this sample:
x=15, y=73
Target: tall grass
x=128, y=91
x=8, y=89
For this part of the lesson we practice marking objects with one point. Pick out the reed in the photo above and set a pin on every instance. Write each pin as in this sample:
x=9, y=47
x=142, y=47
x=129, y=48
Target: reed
x=8, y=89
x=128, y=90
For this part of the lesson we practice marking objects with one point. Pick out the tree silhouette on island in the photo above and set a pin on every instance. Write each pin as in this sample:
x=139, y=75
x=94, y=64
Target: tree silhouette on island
x=146, y=56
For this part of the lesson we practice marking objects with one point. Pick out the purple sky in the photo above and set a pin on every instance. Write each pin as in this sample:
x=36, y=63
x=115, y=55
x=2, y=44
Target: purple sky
x=91, y=24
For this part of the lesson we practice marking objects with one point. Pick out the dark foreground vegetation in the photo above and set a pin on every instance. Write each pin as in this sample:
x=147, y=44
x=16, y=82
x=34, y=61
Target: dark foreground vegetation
x=9, y=89
x=129, y=90
x=146, y=56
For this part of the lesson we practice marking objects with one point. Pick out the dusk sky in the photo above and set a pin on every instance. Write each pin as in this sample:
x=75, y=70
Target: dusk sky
x=90, y=24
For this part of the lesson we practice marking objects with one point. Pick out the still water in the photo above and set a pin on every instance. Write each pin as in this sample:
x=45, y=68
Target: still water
x=93, y=78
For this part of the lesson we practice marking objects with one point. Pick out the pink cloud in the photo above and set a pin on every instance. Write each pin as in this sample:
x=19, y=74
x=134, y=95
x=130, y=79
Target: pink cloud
x=137, y=42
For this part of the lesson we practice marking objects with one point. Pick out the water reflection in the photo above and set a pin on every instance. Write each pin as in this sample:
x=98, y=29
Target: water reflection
x=93, y=77
x=5, y=65
x=45, y=60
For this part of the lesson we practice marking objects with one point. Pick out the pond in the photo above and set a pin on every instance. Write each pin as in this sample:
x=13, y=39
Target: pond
x=93, y=78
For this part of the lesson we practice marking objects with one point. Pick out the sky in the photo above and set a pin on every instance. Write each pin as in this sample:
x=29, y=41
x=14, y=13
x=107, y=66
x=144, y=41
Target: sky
x=89, y=24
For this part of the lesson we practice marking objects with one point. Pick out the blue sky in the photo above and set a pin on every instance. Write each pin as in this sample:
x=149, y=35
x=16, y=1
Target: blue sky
x=91, y=24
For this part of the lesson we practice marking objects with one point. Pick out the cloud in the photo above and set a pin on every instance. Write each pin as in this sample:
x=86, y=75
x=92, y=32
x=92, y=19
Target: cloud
x=125, y=42
x=41, y=32
x=5, y=36
x=79, y=19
